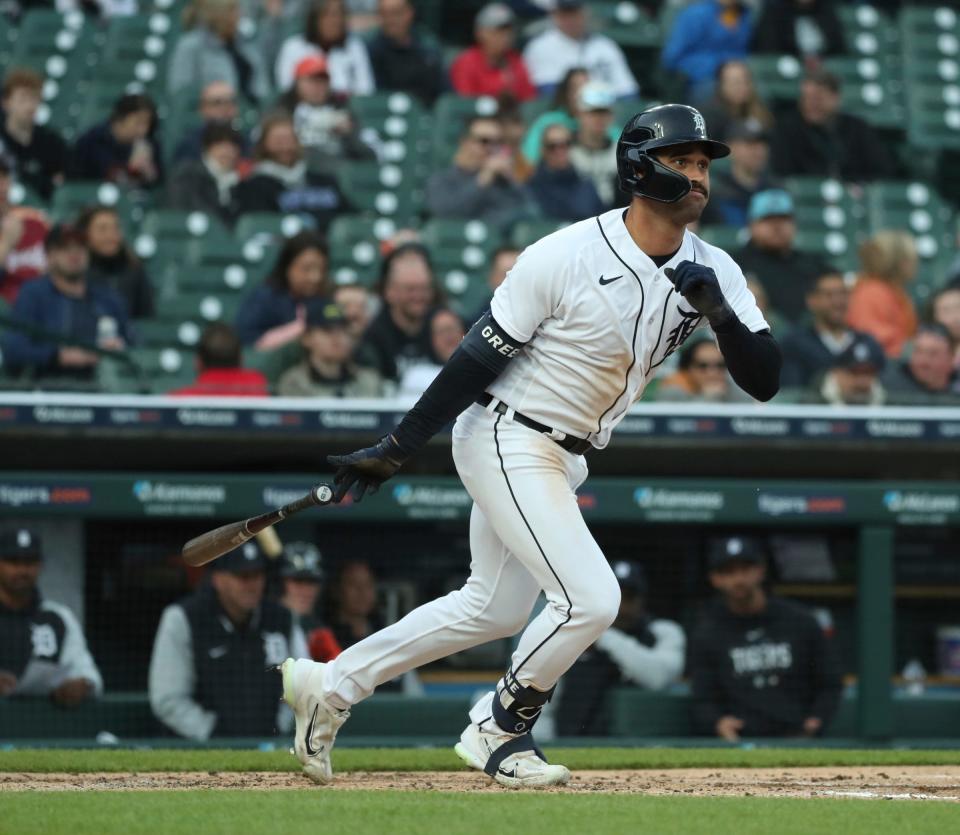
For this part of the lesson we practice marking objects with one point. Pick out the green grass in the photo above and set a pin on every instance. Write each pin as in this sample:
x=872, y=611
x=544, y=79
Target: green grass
x=397, y=813
x=443, y=759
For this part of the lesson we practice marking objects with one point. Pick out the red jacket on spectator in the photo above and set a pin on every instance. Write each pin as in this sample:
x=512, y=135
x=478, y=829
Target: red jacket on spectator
x=226, y=382
x=28, y=258
x=473, y=75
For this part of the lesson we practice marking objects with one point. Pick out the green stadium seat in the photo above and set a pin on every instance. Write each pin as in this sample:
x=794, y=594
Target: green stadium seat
x=467, y=290
x=776, y=76
x=271, y=226
x=450, y=115
x=380, y=190
x=527, y=232
x=214, y=250
x=464, y=243
x=171, y=226
x=21, y=194
x=355, y=248
x=871, y=88
x=627, y=24
x=72, y=197
x=725, y=237
x=198, y=307
x=216, y=279
x=869, y=31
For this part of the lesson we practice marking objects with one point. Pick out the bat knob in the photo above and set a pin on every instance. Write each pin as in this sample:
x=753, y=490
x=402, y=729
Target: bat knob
x=323, y=494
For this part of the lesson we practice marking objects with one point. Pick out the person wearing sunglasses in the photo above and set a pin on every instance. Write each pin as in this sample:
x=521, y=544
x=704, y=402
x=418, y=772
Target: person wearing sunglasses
x=559, y=189
x=481, y=183
x=701, y=376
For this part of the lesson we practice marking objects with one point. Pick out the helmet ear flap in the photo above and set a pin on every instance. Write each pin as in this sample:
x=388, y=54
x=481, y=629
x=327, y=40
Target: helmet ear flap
x=641, y=162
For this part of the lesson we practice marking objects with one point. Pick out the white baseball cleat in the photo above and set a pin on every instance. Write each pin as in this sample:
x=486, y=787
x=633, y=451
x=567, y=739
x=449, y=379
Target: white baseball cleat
x=317, y=722
x=511, y=760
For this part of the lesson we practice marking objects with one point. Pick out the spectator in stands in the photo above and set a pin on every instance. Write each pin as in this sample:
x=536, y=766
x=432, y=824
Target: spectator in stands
x=446, y=333
x=280, y=181
x=71, y=314
x=638, y=649
x=326, y=369
x=220, y=371
x=210, y=671
x=301, y=571
x=853, y=378
x=558, y=188
x=208, y=184
x=569, y=43
x=217, y=104
x=354, y=611
x=325, y=33
x=113, y=263
x=705, y=35
x=212, y=49
x=928, y=376
x=502, y=262
x=811, y=350
x=43, y=651
x=357, y=306
x=760, y=665
x=399, y=335
x=594, y=151
x=22, y=232
x=945, y=310
x=817, y=140
x=735, y=99
x=493, y=67
x=701, y=376
x=809, y=29
x=275, y=314
x=770, y=256
x=563, y=111
x=480, y=184
x=514, y=129
x=124, y=149
x=403, y=56
x=732, y=188
x=325, y=127
x=880, y=304
x=38, y=153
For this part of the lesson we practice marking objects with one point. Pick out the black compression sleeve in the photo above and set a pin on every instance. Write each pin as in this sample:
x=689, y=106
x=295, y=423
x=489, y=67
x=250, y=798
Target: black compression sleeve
x=478, y=361
x=753, y=359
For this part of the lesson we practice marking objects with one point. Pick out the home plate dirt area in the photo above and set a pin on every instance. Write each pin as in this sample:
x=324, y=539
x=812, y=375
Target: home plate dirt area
x=933, y=783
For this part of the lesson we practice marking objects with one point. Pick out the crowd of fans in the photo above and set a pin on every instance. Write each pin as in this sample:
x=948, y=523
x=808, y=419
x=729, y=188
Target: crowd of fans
x=77, y=291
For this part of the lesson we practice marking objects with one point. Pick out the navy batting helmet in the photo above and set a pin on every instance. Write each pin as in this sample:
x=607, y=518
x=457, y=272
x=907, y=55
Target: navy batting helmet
x=639, y=172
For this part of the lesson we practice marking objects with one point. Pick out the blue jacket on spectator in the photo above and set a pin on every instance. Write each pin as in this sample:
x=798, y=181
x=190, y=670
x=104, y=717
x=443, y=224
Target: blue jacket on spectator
x=699, y=43
x=41, y=304
x=265, y=308
x=564, y=194
x=97, y=155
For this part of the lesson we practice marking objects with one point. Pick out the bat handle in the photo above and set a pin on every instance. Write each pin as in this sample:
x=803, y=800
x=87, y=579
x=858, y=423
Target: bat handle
x=322, y=494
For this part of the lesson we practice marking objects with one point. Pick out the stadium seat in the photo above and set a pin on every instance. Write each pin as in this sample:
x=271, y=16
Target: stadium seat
x=215, y=279
x=355, y=248
x=527, y=232
x=269, y=226
x=175, y=227
x=776, y=76
x=72, y=197
x=450, y=115
x=726, y=237
x=198, y=307
x=465, y=243
x=214, y=250
x=377, y=189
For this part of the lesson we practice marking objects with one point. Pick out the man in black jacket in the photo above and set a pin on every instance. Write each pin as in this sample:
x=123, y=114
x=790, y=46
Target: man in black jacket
x=818, y=141
x=404, y=58
x=771, y=258
x=760, y=666
x=814, y=349
x=210, y=669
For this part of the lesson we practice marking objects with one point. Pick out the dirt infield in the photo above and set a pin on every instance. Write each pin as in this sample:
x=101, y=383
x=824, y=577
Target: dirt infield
x=940, y=783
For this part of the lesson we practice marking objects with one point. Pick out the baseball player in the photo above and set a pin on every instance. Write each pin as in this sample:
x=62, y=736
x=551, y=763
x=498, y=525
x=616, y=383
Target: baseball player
x=572, y=336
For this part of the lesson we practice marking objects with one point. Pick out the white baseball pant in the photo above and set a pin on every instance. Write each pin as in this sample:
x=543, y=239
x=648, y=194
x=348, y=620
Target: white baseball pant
x=526, y=534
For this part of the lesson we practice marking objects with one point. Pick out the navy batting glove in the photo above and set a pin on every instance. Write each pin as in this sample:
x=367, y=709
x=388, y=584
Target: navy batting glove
x=366, y=468
x=698, y=284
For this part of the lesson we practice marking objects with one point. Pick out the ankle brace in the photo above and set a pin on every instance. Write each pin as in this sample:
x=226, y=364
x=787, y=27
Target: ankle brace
x=516, y=707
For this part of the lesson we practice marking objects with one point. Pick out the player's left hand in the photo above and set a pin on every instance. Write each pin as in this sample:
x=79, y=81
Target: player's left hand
x=72, y=692
x=368, y=468
x=698, y=284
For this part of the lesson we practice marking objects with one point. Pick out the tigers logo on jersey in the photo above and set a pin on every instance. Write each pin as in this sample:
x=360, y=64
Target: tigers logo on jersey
x=44, y=639
x=275, y=647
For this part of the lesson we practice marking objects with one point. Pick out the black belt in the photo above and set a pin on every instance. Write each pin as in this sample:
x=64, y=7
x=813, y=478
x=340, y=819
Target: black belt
x=571, y=444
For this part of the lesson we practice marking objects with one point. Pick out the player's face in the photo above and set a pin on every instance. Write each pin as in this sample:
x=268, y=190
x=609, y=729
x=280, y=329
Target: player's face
x=242, y=591
x=738, y=581
x=694, y=164
x=18, y=578
x=300, y=596
x=855, y=384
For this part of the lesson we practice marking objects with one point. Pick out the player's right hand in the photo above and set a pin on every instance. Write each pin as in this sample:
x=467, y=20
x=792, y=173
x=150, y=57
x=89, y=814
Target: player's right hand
x=366, y=468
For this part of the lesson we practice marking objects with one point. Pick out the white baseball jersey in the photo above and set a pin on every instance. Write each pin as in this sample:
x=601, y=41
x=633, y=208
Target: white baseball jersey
x=599, y=317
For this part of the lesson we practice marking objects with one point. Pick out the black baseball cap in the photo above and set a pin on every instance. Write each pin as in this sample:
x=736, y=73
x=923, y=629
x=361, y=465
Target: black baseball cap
x=302, y=561
x=747, y=130
x=243, y=560
x=630, y=575
x=20, y=545
x=863, y=353
x=325, y=314
x=64, y=234
x=731, y=549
